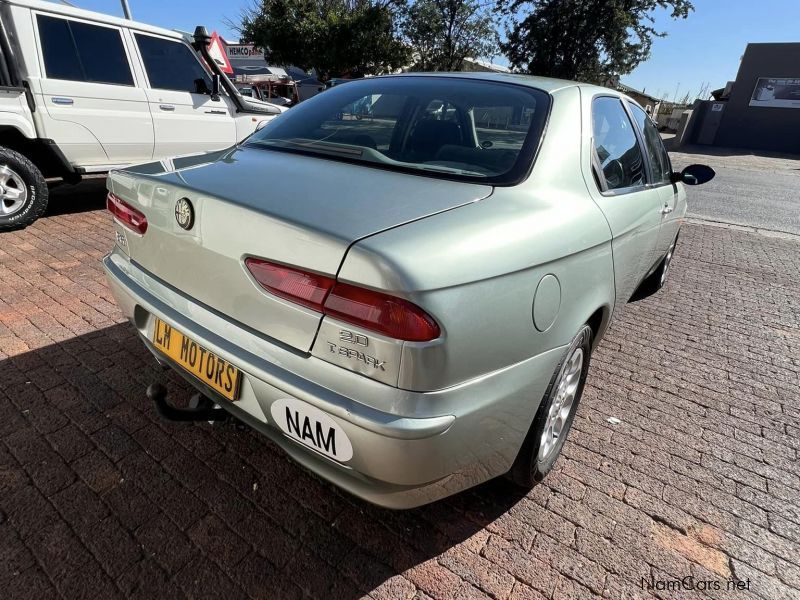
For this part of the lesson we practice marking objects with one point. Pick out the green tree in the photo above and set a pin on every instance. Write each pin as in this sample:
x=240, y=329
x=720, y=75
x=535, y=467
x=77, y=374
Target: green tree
x=586, y=40
x=442, y=33
x=335, y=37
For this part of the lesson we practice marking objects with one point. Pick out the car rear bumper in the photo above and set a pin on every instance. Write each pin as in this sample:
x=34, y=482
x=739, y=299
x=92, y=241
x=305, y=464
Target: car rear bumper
x=409, y=448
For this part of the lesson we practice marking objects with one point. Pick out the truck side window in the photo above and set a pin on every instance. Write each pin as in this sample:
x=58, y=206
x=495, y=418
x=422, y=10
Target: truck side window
x=78, y=51
x=172, y=65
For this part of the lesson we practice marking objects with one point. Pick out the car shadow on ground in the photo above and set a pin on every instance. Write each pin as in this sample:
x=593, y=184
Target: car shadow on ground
x=195, y=505
x=88, y=195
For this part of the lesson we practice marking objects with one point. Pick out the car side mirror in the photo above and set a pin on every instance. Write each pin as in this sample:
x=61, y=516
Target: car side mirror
x=215, y=82
x=694, y=175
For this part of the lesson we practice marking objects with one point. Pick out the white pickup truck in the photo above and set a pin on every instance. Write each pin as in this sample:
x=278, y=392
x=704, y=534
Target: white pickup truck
x=83, y=92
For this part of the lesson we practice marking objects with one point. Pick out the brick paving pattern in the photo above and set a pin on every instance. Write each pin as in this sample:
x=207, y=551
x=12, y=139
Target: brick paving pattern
x=101, y=499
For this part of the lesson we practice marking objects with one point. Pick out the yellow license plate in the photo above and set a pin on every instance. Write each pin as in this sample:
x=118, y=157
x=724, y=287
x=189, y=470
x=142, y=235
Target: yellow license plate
x=209, y=368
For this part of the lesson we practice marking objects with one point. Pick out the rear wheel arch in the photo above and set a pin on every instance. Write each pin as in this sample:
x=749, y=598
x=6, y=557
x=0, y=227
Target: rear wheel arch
x=531, y=463
x=13, y=121
x=44, y=154
x=13, y=138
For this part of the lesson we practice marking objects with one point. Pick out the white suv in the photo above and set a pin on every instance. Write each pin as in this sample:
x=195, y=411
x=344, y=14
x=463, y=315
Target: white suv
x=83, y=92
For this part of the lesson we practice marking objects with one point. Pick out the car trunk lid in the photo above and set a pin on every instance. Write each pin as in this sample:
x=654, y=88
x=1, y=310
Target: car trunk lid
x=297, y=210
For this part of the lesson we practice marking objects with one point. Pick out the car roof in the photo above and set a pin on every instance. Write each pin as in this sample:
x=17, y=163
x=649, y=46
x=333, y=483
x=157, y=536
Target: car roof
x=71, y=11
x=546, y=84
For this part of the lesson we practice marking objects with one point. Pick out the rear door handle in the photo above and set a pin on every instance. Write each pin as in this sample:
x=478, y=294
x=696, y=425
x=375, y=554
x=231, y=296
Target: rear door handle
x=216, y=112
x=61, y=100
x=666, y=210
x=166, y=107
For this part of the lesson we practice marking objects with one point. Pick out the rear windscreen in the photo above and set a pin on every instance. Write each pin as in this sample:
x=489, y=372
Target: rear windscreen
x=463, y=129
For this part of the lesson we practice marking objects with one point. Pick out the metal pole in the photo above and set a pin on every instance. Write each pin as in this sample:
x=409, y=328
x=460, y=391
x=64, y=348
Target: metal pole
x=126, y=9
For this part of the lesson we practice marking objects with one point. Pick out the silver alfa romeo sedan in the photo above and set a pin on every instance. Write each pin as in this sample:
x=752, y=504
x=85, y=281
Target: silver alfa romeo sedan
x=401, y=280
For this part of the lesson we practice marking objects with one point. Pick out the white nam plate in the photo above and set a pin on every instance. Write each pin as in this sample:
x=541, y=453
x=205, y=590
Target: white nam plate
x=312, y=427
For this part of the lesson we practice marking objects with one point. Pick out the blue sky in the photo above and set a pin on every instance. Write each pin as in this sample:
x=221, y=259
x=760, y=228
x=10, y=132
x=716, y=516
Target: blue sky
x=706, y=47
x=175, y=14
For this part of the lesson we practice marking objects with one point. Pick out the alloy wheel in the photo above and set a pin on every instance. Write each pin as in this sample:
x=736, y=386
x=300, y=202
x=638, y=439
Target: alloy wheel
x=561, y=404
x=13, y=191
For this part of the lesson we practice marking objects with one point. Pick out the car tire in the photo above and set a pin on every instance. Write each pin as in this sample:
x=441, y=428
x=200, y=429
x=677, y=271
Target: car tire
x=658, y=278
x=556, y=411
x=23, y=191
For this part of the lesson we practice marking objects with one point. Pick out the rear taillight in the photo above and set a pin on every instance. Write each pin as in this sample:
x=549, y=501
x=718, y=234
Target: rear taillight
x=376, y=311
x=126, y=214
x=394, y=317
x=308, y=289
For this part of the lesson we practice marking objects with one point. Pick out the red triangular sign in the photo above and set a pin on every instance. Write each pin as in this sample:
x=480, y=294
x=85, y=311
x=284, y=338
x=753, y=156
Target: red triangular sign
x=216, y=48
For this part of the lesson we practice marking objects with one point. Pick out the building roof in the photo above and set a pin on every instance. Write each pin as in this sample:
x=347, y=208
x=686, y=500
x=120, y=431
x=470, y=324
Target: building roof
x=258, y=69
x=490, y=66
x=629, y=90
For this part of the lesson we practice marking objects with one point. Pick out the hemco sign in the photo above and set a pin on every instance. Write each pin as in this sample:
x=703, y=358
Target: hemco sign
x=244, y=51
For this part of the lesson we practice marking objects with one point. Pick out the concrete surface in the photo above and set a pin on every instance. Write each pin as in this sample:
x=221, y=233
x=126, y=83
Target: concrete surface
x=761, y=191
x=698, y=482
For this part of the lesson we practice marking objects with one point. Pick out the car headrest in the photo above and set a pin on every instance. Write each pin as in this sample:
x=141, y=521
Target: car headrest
x=429, y=135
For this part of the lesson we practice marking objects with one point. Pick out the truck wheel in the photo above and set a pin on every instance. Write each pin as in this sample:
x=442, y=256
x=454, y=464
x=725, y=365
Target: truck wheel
x=23, y=191
x=556, y=412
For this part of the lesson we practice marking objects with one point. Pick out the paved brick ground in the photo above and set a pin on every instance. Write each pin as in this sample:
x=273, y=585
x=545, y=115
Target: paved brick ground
x=100, y=499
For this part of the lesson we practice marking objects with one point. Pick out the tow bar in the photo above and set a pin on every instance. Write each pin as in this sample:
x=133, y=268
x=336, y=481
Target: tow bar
x=200, y=408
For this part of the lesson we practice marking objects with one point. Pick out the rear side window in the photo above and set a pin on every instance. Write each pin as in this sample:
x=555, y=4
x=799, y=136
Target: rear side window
x=616, y=146
x=172, y=65
x=443, y=127
x=656, y=153
x=77, y=51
